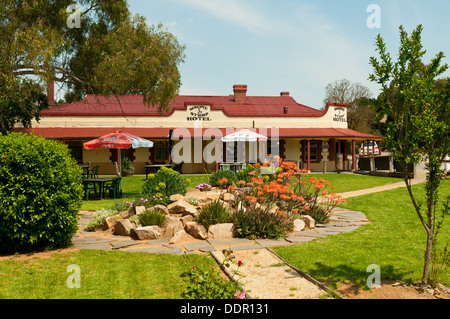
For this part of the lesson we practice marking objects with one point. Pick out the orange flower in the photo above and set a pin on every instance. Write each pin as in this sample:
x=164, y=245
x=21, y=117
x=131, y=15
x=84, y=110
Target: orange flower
x=327, y=183
x=324, y=193
x=295, y=211
x=300, y=199
x=307, y=207
x=241, y=182
x=230, y=188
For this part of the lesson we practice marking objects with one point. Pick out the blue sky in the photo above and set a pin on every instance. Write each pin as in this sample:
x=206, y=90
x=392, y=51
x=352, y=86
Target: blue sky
x=288, y=45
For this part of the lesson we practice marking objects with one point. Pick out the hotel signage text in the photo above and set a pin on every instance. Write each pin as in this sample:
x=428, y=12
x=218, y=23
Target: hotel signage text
x=198, y=113
x=339, y=115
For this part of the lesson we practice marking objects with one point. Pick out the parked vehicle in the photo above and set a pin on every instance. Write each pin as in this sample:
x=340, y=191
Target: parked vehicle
x=369, y=148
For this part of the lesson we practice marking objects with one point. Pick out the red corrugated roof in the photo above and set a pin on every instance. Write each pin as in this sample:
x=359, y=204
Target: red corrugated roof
x=132, y=105
x=163, y=133
x=94, y=132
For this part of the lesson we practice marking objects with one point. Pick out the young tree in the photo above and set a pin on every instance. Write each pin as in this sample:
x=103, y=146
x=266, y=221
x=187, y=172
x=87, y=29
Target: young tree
x=110, y=52
x=417, y=124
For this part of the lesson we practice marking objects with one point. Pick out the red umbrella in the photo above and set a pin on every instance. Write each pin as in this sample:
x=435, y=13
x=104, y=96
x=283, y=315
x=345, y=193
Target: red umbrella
x=118, y=140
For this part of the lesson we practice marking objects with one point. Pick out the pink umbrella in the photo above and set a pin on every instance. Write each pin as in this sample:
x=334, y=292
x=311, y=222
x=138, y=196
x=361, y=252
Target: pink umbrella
x=118, y=140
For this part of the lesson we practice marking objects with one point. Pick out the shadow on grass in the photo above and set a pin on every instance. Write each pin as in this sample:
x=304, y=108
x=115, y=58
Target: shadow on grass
x=335, y=275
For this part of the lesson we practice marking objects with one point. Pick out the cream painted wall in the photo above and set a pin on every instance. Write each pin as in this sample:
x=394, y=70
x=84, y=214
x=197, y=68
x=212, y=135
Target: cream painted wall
x=333, y=118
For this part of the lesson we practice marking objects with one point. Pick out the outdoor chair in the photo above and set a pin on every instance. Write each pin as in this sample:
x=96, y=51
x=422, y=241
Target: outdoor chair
x=113, y=188
x=88, y=188
x=94, y=172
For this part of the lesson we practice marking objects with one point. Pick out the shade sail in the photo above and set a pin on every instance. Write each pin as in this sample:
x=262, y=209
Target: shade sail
x=244, y=135
x=118, y=139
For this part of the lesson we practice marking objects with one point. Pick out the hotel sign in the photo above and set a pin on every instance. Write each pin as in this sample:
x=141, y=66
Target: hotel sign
x=339, y=115
x=198, y=113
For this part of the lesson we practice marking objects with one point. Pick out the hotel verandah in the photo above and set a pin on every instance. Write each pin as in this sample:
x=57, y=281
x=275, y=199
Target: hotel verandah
x=299, y=128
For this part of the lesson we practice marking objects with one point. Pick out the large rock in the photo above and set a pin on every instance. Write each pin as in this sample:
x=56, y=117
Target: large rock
x=180, y=236
x=148, y=232
x=182, y=207
x=196, y=230
x=186, y=219
x=123, y=227
x=309, y=221
x=139, y=209
x=173, y=225
x=176, y=197
x=110, y=222
x=299, y=225
x=221, y=231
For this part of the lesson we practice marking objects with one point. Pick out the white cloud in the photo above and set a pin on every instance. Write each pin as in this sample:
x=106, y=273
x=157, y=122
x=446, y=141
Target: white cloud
x=233, y=11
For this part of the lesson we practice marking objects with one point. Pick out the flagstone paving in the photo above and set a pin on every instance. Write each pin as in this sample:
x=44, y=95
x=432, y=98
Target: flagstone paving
x=342, y=221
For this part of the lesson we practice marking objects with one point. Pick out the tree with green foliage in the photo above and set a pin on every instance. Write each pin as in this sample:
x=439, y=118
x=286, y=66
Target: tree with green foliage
x=110, y=52
x=417, y=122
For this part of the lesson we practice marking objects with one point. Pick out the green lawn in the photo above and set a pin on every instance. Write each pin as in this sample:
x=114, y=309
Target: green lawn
x=395, y=241
x=103, y=274
x=351, y=182
x=132, y=188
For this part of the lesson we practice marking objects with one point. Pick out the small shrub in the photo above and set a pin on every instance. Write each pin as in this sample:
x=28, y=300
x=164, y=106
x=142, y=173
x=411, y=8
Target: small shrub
x=120, y=206
x=98, y=218
x=152, y=217
x=213, y=213
x=211, y=284
x=40, y=193
x=164, y=183
x=319, y=213
x=258, y=223
x=220, y=174
x=192, y=200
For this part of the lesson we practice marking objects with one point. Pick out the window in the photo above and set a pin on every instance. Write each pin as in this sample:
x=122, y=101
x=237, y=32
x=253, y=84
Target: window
x=161, y=149
x=314, y=148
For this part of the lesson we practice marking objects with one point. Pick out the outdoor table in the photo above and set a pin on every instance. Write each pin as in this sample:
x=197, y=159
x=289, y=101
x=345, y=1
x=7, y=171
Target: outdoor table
x=100, y=181
x=155, y=167
x=235, y=167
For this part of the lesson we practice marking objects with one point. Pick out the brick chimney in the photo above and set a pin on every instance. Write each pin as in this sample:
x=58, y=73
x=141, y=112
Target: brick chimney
x=284, y=94
x=240, y=92
x=51, y=93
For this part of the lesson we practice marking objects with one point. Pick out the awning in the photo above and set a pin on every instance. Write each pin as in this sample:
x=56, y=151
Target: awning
x=88, y=133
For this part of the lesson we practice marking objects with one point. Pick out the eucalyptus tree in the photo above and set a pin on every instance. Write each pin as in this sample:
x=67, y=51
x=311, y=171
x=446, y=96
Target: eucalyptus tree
x=107, y=51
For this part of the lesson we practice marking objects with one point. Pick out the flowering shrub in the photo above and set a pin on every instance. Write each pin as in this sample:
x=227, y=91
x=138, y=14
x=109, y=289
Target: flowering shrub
x=215, y=177
x=203, y=187
x=98, y=218
x=211, y=284
x=288, y=192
